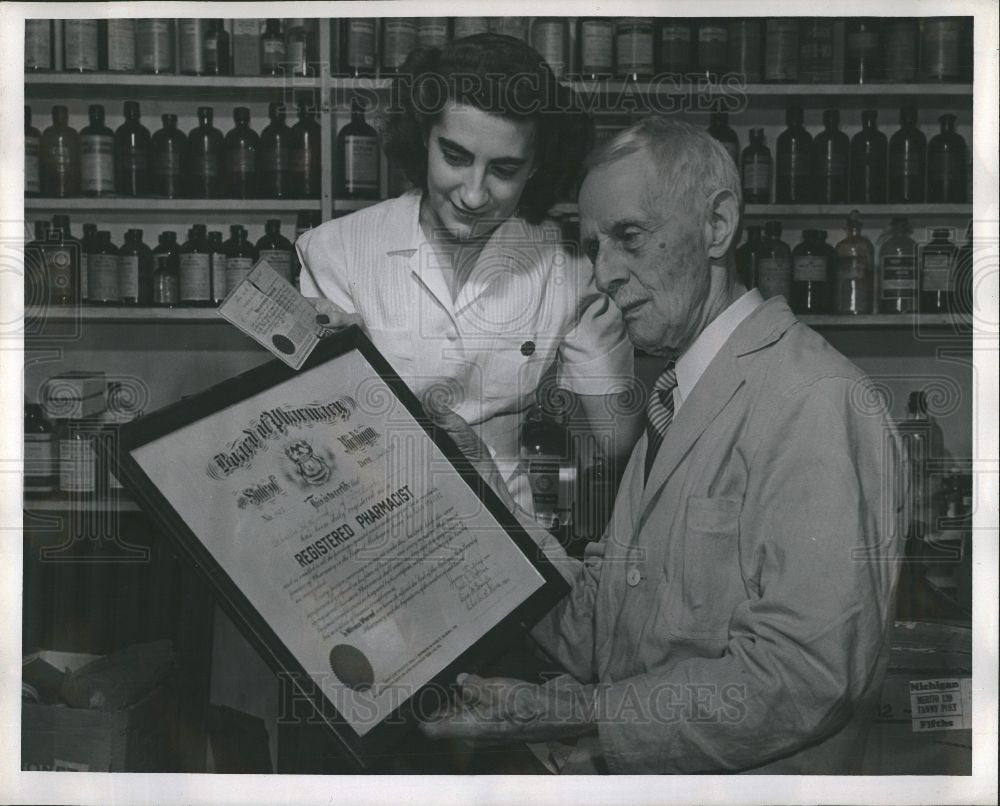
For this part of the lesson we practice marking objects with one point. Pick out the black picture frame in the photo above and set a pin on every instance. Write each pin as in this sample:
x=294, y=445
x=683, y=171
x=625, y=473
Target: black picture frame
x=361, y=751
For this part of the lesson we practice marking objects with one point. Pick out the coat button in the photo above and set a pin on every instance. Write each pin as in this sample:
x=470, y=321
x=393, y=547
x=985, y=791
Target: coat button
x=528, y=348
x=632, y=577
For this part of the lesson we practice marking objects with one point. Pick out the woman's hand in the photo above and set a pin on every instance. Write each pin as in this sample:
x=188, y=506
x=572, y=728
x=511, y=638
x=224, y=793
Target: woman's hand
x=330, y=318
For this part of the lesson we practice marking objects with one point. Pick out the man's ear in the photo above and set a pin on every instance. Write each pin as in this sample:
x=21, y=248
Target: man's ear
x=723, y=222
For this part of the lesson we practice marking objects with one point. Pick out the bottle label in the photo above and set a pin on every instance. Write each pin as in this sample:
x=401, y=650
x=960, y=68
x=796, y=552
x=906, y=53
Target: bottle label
x=851, y=267
x=635, y=48
x=862, y=42
x=773, y=277
x=433, y=32
x=940, y=47
x=59, y=268
x=898, y=276
x=37, y=45
x=236, y=269
x=361, y=44
x=165, y=290
x=547, y=38
x=712, y=33
x=809, y=269
x=97, y=163
x=908, y=163
x=192, y=32
x=675, y=33
x=102, y=277
x=780, y=62
x=121, y=45
x=756, y=176
x=60, y=157
x=900, y=52
x=167, y=163
x=273, y=52
x=280, y=260
x=935, y=273
x=155, y=47
x=360, y=163
x=399, y=37
x=80, y=44
x=77, y=466
x=241, y=161
x=596, y=46
x=128, y=277
x=219, y=288
x=196, y=277
x=39, y=462
x=468, y=26
x=32, y=175
x=298, y=57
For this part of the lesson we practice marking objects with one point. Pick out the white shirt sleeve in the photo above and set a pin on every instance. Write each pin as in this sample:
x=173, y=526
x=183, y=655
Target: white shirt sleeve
x=325, y=271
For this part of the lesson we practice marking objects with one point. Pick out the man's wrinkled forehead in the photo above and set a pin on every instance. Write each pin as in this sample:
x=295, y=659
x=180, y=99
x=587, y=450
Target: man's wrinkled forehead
x=628, y=187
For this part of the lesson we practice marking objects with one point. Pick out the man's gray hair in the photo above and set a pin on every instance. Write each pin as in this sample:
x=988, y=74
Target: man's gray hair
x=691, y=163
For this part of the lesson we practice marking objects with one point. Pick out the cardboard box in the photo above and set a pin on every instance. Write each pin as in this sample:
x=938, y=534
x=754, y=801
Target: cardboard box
x=74, y=395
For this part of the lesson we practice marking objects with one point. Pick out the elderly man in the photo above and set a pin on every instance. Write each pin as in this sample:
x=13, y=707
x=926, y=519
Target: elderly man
x=734, y=615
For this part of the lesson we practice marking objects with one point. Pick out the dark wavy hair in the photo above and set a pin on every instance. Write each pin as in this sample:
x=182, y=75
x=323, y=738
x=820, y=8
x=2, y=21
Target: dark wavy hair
x=500, y=75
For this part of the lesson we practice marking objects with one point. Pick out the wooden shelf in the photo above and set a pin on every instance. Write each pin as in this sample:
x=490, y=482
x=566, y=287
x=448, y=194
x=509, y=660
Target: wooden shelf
x=118, y=205
x=886, y=320
x=666, y=86
x=786, y=211
x=59, y=504
x=171, y=87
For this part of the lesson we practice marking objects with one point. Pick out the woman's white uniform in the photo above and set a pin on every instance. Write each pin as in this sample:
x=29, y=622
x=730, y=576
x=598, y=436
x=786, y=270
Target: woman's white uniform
x=526, y=304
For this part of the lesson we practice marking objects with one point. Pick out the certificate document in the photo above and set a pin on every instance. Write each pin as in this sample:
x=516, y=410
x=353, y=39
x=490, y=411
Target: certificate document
x=348, y=530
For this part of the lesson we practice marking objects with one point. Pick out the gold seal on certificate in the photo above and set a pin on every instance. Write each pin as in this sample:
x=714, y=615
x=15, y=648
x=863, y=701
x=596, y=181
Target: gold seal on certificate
x=355, y=546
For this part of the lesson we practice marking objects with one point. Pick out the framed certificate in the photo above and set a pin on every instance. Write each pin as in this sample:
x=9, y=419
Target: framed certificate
x=350, y=540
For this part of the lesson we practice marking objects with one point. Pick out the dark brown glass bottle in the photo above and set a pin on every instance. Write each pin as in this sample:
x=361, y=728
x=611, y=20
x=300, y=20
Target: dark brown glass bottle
x=102, y=272
x=204, y=158
x=897, y=269
x=793, y=183
x=240, y=148
x=816, y=51
x=718, y=127
x=132, y=142
x=937, y=265
x=357, y=157
x=305, y=153
x=272, y=49
x=675, y=48
x=855, y=273
x=595, y=42
x=63, y=255
x=60, y=157
x=240, y=257
x=167, y=151
x=135, y=270
x=755, y=167
x=634, y=48
x=166, y=276
x=868, y=168
x=217, y=49
x=946, y=178
x=901, y=40
x=274, y=166
x=781, y=53
x=810, y=275
x=357, y=46
x=32, y=164
x=88, y=245
x=861, y=58
x=97, y=155
x=276, y=249
x=747, y=256
x=907, y=160
x=745, y=48
x=713, y=47
x=218, y=257
x=399, y=37
x=940, y=48
x=831, y=150
x=195, y=269
x=774, y=263
x=36, y=287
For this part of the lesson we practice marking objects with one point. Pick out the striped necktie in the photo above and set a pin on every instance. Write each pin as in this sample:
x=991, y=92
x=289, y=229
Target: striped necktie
x=659, y=412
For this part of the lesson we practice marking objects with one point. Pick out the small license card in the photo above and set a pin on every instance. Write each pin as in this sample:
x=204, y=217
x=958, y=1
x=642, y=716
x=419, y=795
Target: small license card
x=941, y=704
x=269, y=310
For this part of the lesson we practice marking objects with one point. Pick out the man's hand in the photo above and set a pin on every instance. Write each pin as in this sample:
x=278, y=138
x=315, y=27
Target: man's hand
x=330, y=318
x=498, y=710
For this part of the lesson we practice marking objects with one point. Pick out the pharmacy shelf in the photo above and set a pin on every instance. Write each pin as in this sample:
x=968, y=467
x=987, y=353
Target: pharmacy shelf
x=799, y=211
x=79, y=504
x=667, y=85
x=887, y=320
x=141, y=206
x=171, y=87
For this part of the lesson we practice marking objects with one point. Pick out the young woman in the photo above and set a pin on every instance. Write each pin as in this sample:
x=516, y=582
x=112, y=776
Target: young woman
x=462, y=283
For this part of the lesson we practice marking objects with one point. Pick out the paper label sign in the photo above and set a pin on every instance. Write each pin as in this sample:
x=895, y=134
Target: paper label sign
x=941, y=704
x=269, y=310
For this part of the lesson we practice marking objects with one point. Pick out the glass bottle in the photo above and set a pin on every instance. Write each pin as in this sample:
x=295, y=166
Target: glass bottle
x=595, y=42
x=713, y=47
x=748, y=255
x=132, y=143
x=102, y=272
x=218, y=260
x=156, y=45
x=940, y=48
x=907, y=155
x=745, y=47
x=634, y=47
x=38, y=48
x=810, y=290
x=774, y=264
x=357, y=157
x=901, y=49
x=550, y=37
x=88, y=246
x=399, y=37
x=166, y=279
x=240, y=257
x=676, y=46
x=41, y=470
x=357, y=46
x=830, y=157
x=781, y=55
x=60, y=157
x=756, y=170
x=77, y=460
x=80, y=46
x=272, y=49
x=168, y=148
x=937, y=263
x=897, y=269
x=216, y=49
x=861, y=57
x=195, y=268
x=470, y=26
x=36, y=285
x=297, y=55
x=946, y=179
x=816, y=51
x=32, y=164
x=97, y=155
x=794, y=153
x=855, y=276
x=191, y=44
x=432, y=32
x=305, y=153
x=718, y=127
x=63, y=255
x=276, y=248
x=204, y=158
x=135, y=270
x=274, y=160
x=240, y=148
x=121, y=35
x=868, y=168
